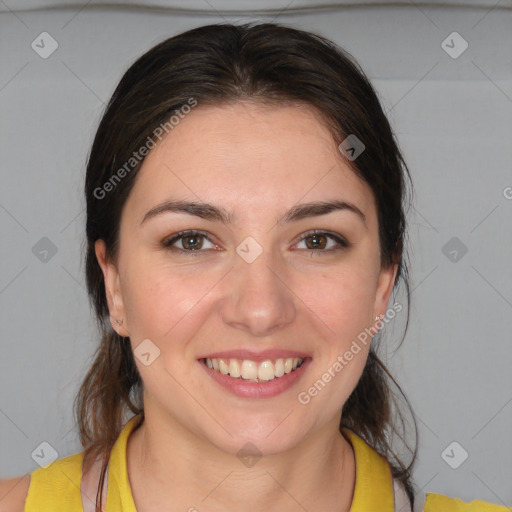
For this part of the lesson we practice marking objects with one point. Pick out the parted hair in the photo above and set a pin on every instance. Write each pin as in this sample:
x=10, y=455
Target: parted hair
x=221, y=64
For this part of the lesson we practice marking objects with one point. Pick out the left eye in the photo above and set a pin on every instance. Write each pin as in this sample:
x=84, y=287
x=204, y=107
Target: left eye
x=320, y=240
x=190, y=241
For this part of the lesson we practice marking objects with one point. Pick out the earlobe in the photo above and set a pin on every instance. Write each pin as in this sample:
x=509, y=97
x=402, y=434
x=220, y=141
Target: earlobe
x=112, y=289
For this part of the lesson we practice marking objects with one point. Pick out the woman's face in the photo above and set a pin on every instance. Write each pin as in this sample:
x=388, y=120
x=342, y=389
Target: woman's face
x=255, y=286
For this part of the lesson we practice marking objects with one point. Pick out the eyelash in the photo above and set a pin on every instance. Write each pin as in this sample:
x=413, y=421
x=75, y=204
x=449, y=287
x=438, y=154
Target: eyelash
x=167, y=243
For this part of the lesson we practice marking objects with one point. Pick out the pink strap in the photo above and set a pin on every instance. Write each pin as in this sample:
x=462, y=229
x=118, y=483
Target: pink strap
x=89, y=487
x=402, y=503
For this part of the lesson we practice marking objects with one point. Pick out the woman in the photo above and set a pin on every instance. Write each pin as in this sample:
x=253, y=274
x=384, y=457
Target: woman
x=245, y=232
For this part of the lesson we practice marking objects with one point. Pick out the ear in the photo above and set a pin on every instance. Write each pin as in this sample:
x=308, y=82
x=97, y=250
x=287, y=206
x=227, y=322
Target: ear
x=113, y=289
x=384, y=288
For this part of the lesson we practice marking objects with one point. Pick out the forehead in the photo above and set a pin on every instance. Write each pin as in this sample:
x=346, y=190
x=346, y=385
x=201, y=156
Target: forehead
x=249, y=156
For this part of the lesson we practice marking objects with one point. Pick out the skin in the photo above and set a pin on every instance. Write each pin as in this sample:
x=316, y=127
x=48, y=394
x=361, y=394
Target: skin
x=256, y=162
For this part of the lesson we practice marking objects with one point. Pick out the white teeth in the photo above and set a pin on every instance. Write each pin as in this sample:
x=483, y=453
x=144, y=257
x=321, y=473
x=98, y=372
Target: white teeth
x=250, y=370
x=266, y=370
x=223, y=367
x=279, y=368
x=234, y=368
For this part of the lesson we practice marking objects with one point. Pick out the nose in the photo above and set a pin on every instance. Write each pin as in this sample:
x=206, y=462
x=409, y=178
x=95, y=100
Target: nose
x=257, y=298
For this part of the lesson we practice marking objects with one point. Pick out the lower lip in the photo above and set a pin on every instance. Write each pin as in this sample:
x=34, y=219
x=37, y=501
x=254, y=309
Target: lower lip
x=267, y=389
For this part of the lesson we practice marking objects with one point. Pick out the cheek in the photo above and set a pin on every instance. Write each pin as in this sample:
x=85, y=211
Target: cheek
x=167, y=310
x=159, y=301
x=342, y=300
x=342, y=305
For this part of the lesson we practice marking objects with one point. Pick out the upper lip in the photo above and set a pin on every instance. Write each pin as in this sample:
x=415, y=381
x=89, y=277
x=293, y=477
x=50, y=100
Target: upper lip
x=264, y=355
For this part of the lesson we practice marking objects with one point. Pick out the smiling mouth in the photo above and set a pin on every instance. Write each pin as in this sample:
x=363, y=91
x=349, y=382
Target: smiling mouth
x=251, y=371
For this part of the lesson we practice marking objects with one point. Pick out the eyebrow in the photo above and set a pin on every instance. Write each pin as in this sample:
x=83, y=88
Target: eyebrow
x=214, y=213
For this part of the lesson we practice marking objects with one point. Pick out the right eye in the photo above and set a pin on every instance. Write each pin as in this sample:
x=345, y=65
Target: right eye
x=191, y=241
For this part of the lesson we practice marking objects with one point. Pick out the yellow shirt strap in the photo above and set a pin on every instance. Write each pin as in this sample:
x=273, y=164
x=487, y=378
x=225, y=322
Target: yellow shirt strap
x=373, y=490
x=439, y=503
x=119, y=495
x=57, y=486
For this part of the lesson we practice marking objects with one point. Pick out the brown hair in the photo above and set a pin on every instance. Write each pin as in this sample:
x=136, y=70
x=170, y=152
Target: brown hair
x=215, y=65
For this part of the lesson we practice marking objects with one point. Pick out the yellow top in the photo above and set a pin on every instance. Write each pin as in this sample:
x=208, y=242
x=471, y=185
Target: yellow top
x=56, y=488
x=439, y=503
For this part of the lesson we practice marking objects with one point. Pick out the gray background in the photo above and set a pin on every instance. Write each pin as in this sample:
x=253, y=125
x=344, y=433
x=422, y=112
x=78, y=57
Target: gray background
x=453, y=119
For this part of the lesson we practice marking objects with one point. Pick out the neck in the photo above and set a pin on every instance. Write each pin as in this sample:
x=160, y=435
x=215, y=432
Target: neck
x=169, y=465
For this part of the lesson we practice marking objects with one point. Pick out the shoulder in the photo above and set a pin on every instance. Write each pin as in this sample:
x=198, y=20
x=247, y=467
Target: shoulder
x=51, y=487
x=13, y=493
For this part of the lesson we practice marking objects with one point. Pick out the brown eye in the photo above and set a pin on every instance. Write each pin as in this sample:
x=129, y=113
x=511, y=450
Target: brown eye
x=321, y=241
x=316, y=241
x=190, y=241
